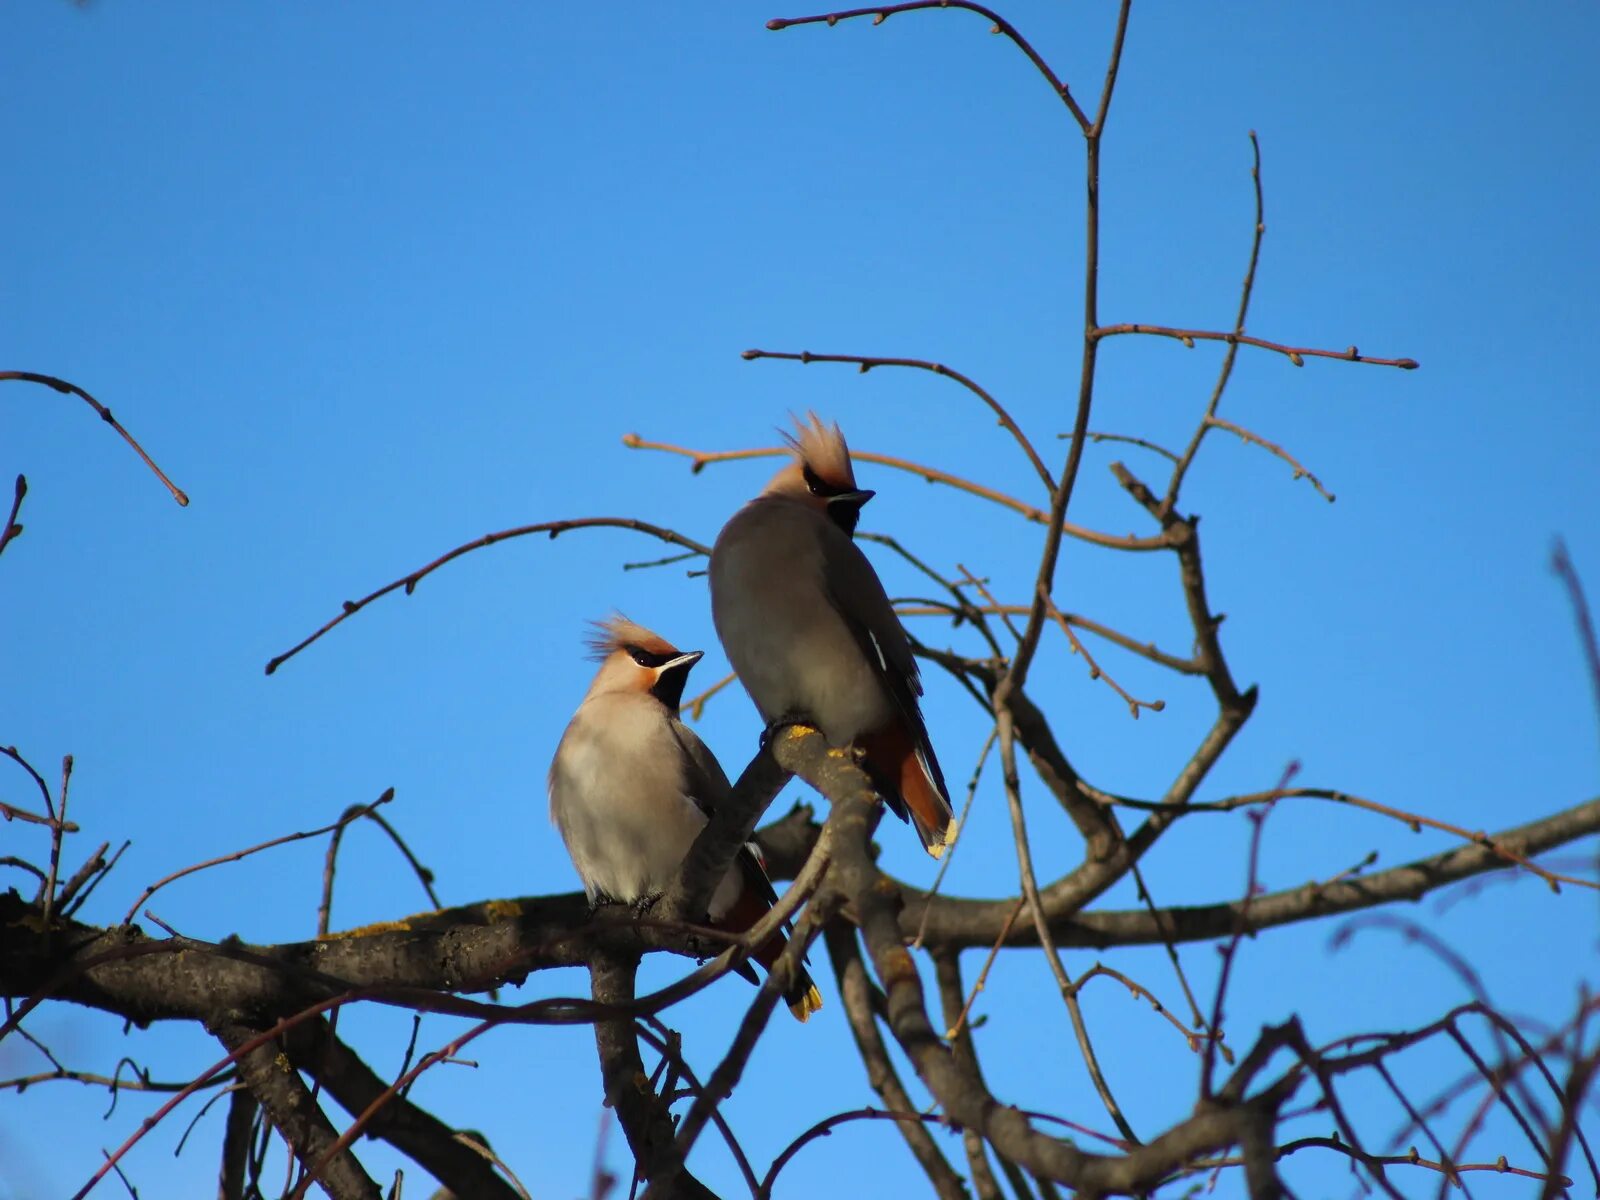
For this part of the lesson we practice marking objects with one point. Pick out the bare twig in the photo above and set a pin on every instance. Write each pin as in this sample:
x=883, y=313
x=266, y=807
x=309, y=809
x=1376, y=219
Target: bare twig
x=699, y=459
x=1561, y=564
x=961, y=823
x=998, y=25
x=354, y=813
x=865, y=363
x=1293, y=353
x=553, y=528
x=12, y=753
x=61, y=385
x=1095, y=670
x=11, y=529
x=826, y=1126
x=954, y=1031
x=695, y=706
x=1181, y=466
x=48, y=904
x=350, y=814
x=1230, y=950
x=1300, y=470
x=860, y=1000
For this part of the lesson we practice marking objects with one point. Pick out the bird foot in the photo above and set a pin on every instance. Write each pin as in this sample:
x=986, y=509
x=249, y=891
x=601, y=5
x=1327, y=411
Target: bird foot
x=645, y=903
x=795, y=721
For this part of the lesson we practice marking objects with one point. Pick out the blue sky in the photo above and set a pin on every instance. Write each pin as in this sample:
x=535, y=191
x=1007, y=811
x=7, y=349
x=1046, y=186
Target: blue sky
x=370, y=281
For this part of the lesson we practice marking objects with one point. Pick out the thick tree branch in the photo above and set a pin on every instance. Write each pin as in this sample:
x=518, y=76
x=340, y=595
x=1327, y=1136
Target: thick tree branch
x=642, y=1114
x=287, y=1101
x=416, y=1133
x=856, y=993
x=484, y=945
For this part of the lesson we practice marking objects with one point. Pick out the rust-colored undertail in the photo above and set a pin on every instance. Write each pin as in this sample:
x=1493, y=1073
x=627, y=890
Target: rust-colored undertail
x=803, y=998
x=907, y=785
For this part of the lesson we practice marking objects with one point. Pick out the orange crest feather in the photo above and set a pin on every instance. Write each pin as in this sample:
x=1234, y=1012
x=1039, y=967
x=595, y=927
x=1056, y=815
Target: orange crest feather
x=616, y=631
x=822, y=448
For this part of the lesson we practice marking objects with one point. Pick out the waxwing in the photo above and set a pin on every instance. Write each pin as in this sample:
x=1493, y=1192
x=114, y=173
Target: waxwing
x=809, y=630
x=631, y=786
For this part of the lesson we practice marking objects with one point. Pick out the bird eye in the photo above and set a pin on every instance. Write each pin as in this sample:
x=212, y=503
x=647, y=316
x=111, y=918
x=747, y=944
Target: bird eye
x=814, y=484
x=646, y=658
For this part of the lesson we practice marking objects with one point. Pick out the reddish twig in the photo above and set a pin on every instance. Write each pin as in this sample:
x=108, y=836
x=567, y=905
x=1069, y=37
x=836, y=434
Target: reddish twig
x=998, y=25
x=1140, y=992
x=865, y=363
x=94, y=881
x=11, y=529
x=1561, y=564
x=1149, y=650
x=695, y=706
x=12, y=813
x=1181, y=466
x=354, y=813
x=553, y=528
x=1230, y=951
x=1294, y=353
x=954, y=1031
x=349, y=815
x=204, y=1079
x=15, y=756
x=961, y=823
x=61, y=385
x=1095, y=670
x=1300, y=470
x=1127, y=439
x=1044, y=585
x=49, y=900
x=826, y=1126
x=1416, y=821
x=1410, y=1159
x=700, y=459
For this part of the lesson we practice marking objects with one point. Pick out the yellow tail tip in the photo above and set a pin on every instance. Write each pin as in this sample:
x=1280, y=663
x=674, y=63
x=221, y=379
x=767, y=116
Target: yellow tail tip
x=806, y=1005
x=938, y=848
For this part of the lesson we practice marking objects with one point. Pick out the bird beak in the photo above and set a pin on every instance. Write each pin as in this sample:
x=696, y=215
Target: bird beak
x=683, y=661
x=853, y=499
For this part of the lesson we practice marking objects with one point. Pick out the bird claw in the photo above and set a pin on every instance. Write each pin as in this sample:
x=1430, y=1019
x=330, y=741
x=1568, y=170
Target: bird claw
x=645, y=903
x=786, y=721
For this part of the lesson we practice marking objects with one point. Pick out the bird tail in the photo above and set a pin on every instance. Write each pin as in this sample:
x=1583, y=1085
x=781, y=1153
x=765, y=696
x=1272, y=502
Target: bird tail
x=802, y=996
x=908, y=777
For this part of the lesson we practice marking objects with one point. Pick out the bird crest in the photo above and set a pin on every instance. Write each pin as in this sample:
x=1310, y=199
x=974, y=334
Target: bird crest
x=616, y=632
x=822, y=448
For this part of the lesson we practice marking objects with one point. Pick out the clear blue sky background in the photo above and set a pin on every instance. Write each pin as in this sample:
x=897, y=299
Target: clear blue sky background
x=371, y=280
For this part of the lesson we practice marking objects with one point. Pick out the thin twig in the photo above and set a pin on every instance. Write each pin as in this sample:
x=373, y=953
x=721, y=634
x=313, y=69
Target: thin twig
x=11, y=529
x=961, y=823
x=1258, y=822
x=349, y=815
x=61, y=385
x=998, y=25
x=1294, y=353
x=1181, y=467
x=553, y=528
x=695, y=706
x=38, y=782
x=865, y=363
x=48, y=905
x=1095, y=670
x=700, y=459
x=1127, y=439
x=1561, y=564
x=952, y=1033
x=1300, y=470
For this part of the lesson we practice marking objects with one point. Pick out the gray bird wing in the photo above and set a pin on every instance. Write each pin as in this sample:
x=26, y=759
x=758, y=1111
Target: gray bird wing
x=708, y=787
x=856, y=593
